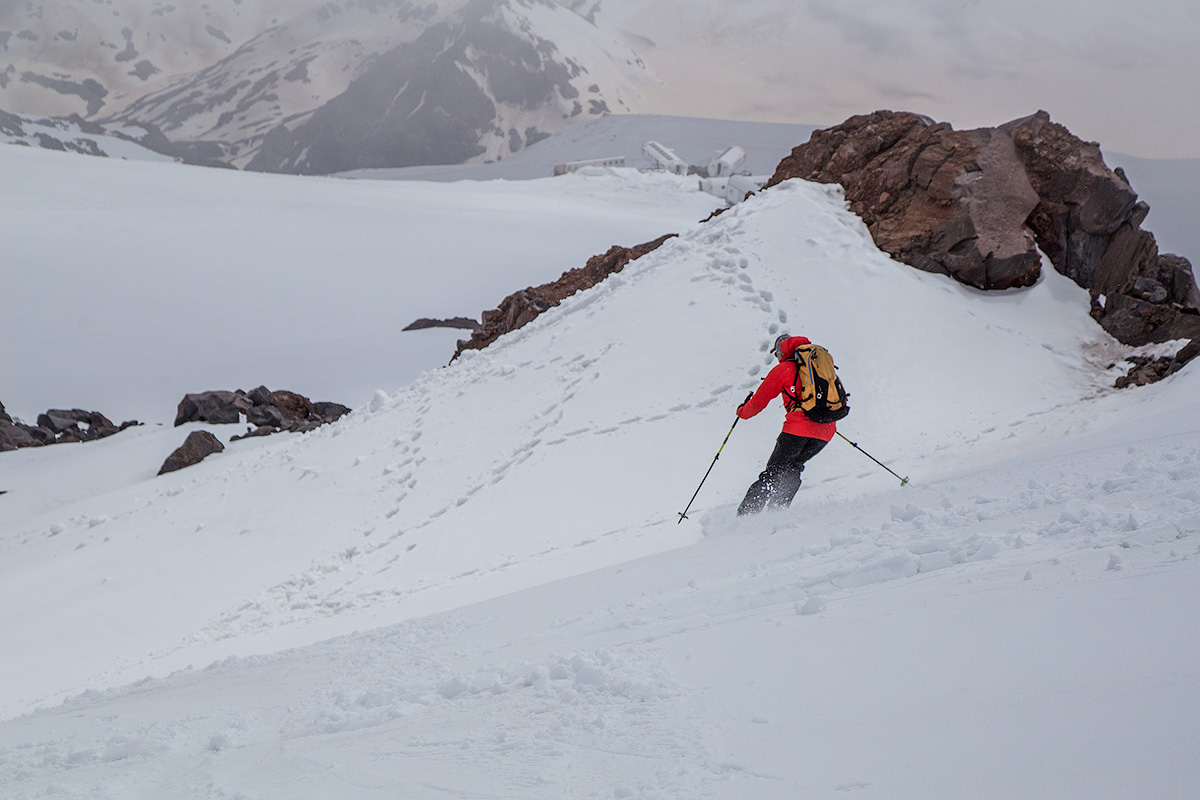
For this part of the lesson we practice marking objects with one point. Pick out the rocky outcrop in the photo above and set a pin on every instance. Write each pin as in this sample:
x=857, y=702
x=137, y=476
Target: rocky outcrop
x=1147, y=370
x=941, y=200
x=281, y=410
x=520, y=308
x=198, y=446
x=977, y=205
x=57, y=426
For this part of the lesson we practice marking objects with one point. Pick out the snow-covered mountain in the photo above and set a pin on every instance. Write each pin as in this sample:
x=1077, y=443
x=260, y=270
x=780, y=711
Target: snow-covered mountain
x=358, y=83
x=77, y=135
x=496, y=542
x=58, y=59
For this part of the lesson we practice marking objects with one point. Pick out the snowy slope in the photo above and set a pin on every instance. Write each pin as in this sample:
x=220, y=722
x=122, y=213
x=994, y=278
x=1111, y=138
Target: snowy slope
x=204, y=279
x=1015, y=623
x=440, y=480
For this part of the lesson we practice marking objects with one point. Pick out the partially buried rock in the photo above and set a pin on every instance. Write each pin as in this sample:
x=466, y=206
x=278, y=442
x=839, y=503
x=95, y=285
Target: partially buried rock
x=57, y=426
x=198, y=446
x=271, y=411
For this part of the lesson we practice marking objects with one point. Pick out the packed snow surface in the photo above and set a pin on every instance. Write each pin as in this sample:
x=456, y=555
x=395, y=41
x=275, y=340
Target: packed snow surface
x=477, y=584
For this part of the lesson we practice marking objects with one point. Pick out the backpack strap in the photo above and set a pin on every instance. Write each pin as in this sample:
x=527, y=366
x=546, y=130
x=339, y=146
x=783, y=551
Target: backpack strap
x=794, y=396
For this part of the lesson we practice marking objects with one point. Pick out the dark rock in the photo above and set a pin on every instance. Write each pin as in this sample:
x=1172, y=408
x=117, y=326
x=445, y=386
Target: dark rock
x=1138, y=322
x=260, y=396
x=464, y=323
x=1149, y=290
x=59, y=420
x=198, y=446
x=329, y=412
x=265, y=415
x=261, y=430
x=14, y=436
x=216, y=408
x=270, y=411
x=1175, y=274
x=521, y=308
x=57, y=426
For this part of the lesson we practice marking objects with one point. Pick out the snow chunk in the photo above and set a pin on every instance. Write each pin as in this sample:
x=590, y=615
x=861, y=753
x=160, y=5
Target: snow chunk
x=814, y=605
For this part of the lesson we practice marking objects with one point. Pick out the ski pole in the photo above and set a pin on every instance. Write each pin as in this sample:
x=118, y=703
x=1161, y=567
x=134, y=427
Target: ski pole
x=903, y=481
x=683, y=514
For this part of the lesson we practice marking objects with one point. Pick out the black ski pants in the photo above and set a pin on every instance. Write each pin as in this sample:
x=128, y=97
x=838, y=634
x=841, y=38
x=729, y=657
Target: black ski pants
x=779, y=482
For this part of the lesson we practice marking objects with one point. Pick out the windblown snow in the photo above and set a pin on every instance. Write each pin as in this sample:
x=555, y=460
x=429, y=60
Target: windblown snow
x=475, y=585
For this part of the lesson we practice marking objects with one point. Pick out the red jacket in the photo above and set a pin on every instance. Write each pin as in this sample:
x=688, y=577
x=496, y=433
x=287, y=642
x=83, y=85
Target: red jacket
x=783, y=376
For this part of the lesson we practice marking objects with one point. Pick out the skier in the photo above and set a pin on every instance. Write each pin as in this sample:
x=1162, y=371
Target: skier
x=801, y=438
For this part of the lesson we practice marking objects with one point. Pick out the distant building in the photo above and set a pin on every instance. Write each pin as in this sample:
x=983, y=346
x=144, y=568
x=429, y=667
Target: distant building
x=572, y=166
x=662, y=157
x=726, y=162
x=741, y=185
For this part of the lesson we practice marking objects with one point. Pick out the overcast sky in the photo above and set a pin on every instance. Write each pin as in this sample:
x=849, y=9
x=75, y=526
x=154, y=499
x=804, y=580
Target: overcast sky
x=1126, y=74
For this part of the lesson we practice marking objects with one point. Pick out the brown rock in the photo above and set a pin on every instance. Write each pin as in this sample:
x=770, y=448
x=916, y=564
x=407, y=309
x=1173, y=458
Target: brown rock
x=198, y=446
x=295, y=408
x=941, y=200
x=270, y=411
x=329, y=412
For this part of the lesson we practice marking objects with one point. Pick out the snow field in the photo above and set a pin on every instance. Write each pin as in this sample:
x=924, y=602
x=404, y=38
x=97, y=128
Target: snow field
x=224, y=280
x=437, y=495
x=519, y=615
x=699, y=673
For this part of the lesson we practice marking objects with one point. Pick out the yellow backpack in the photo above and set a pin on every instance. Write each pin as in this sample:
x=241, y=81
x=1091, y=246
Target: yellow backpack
x=817, y=390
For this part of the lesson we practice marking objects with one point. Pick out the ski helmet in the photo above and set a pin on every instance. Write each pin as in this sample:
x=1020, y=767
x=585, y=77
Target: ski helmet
x=775, y=351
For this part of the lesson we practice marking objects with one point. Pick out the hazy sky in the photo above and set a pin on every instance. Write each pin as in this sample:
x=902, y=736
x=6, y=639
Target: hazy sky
x=1126, y=74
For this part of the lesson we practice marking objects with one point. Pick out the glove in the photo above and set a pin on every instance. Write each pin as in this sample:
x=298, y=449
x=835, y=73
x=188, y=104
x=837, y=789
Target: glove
x=747, y=400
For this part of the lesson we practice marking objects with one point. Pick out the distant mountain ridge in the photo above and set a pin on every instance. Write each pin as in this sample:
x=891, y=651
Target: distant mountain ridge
x=478, y=84
x=410, y=82
x=76, y=135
